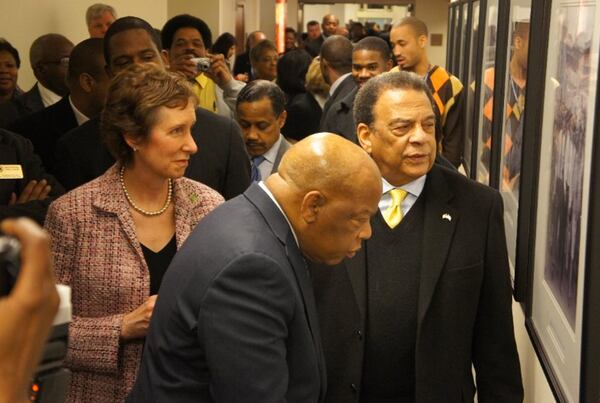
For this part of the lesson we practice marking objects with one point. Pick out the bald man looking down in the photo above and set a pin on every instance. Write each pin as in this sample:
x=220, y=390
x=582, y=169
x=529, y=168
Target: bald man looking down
x=235, y=319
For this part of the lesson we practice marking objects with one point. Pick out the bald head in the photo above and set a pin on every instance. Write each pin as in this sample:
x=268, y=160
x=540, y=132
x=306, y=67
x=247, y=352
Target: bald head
x=330, y=24
x=49, y=60
x=328, y=188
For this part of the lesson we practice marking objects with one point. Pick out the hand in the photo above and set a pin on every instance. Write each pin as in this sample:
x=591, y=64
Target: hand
x=28, y=312
x=183, y=64
x=33, y=191
x=242, y=77
x=219, y=71
x=135, y=323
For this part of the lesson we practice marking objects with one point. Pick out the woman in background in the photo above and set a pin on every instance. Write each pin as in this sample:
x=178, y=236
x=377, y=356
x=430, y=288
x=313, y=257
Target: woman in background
x=114, y=237
x=9, y=71
x=226, y=45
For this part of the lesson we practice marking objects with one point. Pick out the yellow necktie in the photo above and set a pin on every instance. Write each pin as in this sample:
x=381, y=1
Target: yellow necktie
x=393, y=215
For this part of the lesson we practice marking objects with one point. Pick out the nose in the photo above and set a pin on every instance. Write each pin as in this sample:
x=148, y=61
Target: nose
x=418, y=135
x=251, y=133
x=366, y=231
x=363, y=73
x=189, y=146
x=396, y=50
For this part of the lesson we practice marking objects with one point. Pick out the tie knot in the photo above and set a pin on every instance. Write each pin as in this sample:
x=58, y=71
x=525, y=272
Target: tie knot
x=258, y=160
x=398, y=196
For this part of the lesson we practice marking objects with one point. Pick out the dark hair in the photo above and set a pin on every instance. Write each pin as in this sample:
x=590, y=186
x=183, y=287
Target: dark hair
x=223, y=43
x=291, y=71
x=375, y=44
x=337, y=51
x=5, y=46
x=261, y=47
x=86, y=57
x=185, y=21
x=369, y=93
x=312, y=23
x=134, y=96
x=126, y=24
x=416, y=24
x=290, y=29
x=259, y=89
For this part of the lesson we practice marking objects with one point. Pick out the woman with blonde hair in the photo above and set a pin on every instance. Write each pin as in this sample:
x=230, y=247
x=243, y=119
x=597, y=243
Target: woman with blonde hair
x=114, y=237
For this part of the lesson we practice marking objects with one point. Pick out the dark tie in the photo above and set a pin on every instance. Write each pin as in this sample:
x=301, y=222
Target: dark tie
x=255, y=173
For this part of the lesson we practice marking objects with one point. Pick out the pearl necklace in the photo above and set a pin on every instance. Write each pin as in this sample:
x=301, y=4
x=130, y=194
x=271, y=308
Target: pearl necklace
x=141, y=210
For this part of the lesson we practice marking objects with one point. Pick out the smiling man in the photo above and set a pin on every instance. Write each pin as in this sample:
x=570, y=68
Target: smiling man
x=371, y=57
x=430, y=296
x=261, y=115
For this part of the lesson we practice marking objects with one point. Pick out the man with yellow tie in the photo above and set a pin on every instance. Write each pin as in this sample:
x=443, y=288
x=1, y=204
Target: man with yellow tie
x=429, y=295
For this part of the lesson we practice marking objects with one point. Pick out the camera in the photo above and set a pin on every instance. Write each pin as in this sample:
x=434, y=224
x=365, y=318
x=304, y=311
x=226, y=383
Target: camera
x=202, y=64
x=51, y=380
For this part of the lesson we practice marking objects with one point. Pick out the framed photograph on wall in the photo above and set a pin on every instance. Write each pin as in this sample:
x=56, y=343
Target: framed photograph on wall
x=559, y=290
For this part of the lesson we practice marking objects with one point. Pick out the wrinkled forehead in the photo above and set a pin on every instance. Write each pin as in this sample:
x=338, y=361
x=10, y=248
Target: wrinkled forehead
x=400, y=103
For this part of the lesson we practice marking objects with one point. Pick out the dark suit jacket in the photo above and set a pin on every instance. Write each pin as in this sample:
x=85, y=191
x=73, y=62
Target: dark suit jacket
x=345, y=87
x=283, y=147
x=221, y=161
x=235, y=319
x=303, y=116
x=43, y=128
x=242, y=64
x=314, y=47
x=340, y=118
x=464, y=312
x=22, y=105
x=15, y=149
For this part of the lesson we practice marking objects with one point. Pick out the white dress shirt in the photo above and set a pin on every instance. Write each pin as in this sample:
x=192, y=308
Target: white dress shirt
x=413, y=188
x=337, y=83
x=79, y=116
x=48, y=97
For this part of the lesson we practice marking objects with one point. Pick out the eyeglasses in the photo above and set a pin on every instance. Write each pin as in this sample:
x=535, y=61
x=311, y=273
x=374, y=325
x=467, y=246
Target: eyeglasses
x=64, y=62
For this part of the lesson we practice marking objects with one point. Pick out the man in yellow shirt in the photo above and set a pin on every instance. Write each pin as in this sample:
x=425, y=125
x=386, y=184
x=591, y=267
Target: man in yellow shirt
x=185, y=37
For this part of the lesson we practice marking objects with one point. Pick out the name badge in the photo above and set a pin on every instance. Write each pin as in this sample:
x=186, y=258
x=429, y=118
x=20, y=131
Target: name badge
x=11, y=171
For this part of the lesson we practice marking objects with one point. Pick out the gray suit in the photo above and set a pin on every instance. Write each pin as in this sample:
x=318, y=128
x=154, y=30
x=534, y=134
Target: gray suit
x=235, y=320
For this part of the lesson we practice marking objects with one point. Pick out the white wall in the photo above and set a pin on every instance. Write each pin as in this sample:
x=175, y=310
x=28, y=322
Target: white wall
x=22, y=21
x=434, y=13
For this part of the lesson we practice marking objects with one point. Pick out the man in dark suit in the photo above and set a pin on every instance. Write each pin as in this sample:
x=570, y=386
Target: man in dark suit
x=235, y=320
x=242, y=61
x=371, y=56
x=336, y=66
x=429, y=296
x=88, y=83
x=314, y=39
x=261, y=115
x=26, y=190
x=49, y=57
x=221, y=161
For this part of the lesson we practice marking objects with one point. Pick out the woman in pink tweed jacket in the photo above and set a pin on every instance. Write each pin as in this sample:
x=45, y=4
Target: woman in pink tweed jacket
x=107, y=233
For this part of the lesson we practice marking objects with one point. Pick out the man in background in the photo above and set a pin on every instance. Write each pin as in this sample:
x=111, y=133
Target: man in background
x=314, y=40
x=98, y=18
x=261, y=115
x=242, y=66
x=409, y=39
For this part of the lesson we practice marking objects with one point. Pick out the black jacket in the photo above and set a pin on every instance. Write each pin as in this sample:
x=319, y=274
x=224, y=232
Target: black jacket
x=20, y=106
x=303, y=116
x=15, y=149
x=344, y=88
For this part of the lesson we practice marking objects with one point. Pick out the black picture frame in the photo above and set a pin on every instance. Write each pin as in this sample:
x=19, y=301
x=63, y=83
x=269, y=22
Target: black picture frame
x=586, y=385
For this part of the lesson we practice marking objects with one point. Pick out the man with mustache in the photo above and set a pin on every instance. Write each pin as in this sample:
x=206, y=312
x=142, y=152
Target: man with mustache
x=261, y=115
x=409, y=39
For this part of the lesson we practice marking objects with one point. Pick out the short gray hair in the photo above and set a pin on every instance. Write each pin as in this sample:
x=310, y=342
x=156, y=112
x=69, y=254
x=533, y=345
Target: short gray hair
x=96, y=10
x=369, y=93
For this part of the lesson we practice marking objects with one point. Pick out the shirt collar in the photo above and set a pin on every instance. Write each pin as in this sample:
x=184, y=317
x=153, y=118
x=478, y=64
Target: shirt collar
x=202, y=80
x=48, y=97
x=272, y=197
x=337, y=83
x=80, y=117
x=272, y=153
x=414, y=188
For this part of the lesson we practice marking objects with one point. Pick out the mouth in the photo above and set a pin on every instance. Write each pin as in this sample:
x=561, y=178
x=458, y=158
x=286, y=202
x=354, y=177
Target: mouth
x=417, y=158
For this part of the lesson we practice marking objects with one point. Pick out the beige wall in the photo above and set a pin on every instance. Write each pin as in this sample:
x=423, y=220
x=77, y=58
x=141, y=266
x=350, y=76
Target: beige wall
x=435, y=14
x=21, y=21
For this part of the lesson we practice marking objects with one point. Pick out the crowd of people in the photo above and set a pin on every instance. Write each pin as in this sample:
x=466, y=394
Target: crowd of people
x=196, y=198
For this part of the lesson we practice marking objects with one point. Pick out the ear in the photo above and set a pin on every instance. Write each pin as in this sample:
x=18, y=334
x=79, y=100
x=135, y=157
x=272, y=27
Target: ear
x=518, y=42
x=363, y=132
x=87, y=82
x=311, y=205
x=423, y=41
x=388, y=65
x=131, y=141
x=166, y=57
x=282, y=118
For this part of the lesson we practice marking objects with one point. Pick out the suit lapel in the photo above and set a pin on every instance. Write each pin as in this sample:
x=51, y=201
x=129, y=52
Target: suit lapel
x=283, y=147
x=440, y=223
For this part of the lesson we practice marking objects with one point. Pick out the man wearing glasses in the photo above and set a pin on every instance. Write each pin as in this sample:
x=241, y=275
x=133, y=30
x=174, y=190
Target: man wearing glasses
x=49, y=57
